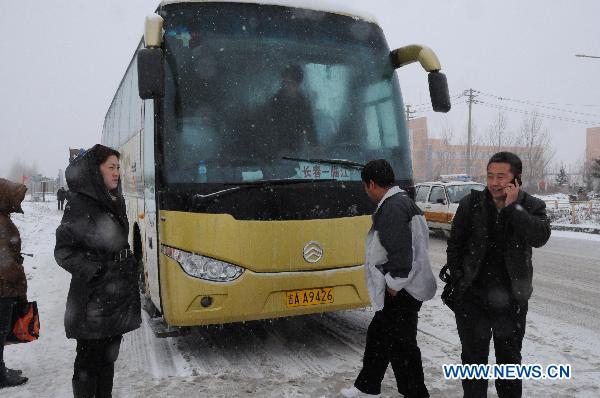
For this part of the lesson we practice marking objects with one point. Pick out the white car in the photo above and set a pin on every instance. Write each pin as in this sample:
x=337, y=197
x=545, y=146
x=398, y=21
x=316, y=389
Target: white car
x=439, y=201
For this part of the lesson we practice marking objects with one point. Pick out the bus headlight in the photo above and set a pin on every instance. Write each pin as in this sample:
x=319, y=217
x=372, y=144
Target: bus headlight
x=203, y=267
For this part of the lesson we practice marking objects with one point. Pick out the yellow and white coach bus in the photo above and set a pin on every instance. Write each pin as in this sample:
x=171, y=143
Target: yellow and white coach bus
x=243, y=127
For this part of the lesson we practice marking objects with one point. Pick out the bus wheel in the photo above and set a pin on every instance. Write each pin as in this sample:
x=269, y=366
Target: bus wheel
x=149, y=307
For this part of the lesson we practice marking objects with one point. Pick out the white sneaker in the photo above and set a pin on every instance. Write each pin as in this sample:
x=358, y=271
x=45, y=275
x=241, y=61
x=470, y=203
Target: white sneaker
x=354, y=392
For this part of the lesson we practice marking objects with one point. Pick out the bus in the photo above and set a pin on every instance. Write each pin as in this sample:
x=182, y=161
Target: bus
x=243, y=127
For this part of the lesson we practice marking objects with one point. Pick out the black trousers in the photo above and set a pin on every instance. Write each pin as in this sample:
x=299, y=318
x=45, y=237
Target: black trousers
x=6, y=310
x=61, y=204
x=95, y=367
x=392, y=338
x=477, y=322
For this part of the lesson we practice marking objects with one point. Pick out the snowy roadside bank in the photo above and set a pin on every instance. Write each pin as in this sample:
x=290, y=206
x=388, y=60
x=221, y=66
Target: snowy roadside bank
x=588, y=229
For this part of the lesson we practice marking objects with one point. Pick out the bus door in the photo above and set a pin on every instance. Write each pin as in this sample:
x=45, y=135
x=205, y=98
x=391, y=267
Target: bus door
x=150, y=219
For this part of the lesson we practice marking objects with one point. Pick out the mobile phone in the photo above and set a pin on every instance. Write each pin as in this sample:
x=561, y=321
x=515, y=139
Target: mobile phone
x=517, y=179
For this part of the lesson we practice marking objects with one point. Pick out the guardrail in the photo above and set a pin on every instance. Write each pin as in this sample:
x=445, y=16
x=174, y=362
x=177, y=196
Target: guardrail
x=590, y=208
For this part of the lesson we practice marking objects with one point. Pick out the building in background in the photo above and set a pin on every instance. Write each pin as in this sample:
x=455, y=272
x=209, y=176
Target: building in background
x=592, y=152
x=433, y=157
x=592, y=144
x=420, y=149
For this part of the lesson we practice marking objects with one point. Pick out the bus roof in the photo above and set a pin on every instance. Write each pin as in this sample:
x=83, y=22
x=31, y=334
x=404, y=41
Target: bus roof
x=316, y=5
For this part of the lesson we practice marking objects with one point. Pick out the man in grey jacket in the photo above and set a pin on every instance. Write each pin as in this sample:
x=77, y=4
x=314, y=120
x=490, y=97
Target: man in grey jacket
x=399, y=279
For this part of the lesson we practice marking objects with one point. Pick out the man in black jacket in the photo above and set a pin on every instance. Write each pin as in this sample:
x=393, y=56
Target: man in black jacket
x=61, y=195
x=489, y=256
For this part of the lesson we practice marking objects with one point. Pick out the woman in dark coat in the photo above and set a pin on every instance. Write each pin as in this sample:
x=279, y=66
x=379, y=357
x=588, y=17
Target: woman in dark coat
x=91, y=244
x=13, y=285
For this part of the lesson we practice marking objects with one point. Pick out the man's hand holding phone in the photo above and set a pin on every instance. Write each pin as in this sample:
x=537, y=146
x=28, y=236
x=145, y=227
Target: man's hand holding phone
x=512, y=192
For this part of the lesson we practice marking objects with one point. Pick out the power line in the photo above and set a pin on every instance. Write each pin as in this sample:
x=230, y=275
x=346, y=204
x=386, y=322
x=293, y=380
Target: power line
x=543, y=115
x=537, y=104
x=562, y=104
x=428, y=108
x=428, y=104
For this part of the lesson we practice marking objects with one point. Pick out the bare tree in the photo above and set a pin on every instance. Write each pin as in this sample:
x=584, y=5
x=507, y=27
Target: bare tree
x=479, y=153
x=498, y=135
x=444, y=157
x=594, y=174
x=582, y=170
x=20, y=169
x=595, y=168
x=534, y=147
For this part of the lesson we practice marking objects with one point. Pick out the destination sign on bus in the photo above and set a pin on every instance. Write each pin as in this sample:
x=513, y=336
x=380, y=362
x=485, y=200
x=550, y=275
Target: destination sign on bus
x=316, y=171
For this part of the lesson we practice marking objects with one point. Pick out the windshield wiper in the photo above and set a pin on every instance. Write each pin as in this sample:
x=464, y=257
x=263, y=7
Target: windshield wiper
x=342, y=162
x=280, y=181
x=198, y=199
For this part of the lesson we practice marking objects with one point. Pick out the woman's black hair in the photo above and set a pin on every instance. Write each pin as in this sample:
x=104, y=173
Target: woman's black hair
x=104, y=152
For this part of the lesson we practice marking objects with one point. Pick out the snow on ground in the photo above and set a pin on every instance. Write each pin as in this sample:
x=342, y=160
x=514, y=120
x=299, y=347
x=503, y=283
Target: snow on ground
x=560, y=197
x=559, y=208
x=577, y=235
x=312, y=356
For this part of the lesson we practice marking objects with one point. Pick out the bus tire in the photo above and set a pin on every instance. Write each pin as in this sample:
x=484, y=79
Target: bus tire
x=149, y=307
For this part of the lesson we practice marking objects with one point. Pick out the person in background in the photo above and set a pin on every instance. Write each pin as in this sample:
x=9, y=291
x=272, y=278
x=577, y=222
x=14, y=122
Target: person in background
x=13, y=284
x=91, y=244
x=399, y=279
x=489, y=257
x=291, y=113
x=61, y=195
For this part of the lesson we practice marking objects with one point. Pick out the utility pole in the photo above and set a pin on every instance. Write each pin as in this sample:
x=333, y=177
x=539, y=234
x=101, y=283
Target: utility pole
x=499, y=131
x=409, y=113
x=470, y=101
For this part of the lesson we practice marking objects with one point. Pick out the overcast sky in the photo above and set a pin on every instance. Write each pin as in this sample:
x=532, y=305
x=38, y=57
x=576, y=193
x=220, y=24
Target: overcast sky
x=63, y=60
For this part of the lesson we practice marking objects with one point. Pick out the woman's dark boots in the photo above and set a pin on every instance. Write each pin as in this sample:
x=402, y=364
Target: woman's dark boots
x=11, y=378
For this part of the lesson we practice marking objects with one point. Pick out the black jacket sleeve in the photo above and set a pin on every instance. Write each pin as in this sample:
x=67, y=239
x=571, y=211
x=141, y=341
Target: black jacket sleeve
x=70, y=252
x=459, y=234
x=392, y=224
x=531, y=222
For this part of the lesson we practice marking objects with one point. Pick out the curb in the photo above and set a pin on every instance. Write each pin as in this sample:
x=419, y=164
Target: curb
x=574, y=228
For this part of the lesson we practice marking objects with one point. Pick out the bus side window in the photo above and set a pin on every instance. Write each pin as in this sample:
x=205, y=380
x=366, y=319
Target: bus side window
x=381, y=123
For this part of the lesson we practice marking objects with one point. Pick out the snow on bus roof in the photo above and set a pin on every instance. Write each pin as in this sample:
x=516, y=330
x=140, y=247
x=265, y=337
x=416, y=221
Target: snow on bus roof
x=316, y=5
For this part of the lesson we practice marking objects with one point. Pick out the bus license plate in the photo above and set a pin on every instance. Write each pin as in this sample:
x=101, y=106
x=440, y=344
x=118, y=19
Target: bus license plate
x=301, y=298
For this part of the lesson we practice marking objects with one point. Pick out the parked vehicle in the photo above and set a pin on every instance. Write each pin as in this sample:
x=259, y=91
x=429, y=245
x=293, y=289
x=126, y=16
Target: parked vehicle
x=439, y=201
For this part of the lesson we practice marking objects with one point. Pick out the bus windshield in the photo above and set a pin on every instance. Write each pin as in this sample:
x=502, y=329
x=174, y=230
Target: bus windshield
x=254, y=92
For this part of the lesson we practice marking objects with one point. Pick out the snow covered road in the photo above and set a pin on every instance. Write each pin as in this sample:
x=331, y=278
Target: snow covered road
x=311, y=356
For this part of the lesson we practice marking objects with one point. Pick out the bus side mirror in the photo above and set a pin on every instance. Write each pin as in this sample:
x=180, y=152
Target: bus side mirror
x=438, y=91
x=438, y=85
x=151, y=73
